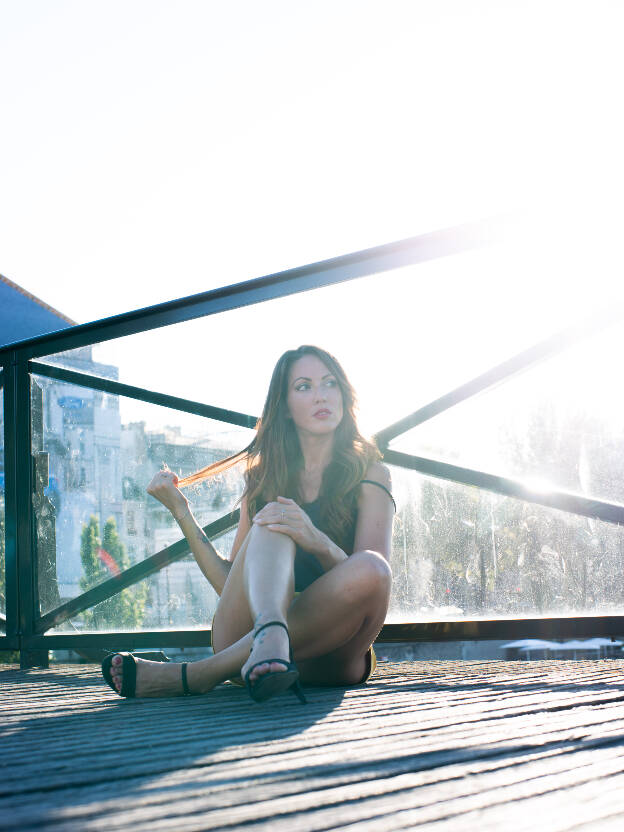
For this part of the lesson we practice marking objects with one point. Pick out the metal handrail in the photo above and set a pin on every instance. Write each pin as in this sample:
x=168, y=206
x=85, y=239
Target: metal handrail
x=505, y=486
x=17, y=364
x=518, y=363
x=135, y=573
x=117, y=388
x=508, y=487
x=441, y=243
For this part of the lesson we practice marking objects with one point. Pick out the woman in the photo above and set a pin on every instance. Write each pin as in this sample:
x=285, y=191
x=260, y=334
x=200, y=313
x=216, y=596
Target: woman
x=309, y=566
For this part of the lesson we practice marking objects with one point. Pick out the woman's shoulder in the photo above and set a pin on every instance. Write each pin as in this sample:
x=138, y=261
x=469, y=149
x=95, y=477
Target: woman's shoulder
x=379, y=473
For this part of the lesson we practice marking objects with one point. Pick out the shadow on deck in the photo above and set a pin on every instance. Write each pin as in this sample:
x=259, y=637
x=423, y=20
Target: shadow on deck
x=449, y=745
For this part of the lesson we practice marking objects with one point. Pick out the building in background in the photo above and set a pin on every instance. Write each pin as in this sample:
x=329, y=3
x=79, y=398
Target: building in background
x=98, y=466
x=179, y=595
x=82, y=436
x=23, y=315
x=80, y=432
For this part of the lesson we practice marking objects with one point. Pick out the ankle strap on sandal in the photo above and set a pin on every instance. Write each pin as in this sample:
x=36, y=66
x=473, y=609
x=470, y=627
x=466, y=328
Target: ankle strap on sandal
x=270, y=624
x=185, y=686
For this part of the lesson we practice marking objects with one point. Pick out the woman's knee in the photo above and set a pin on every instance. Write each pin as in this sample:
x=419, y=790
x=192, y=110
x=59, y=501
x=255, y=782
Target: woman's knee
x=374, y=575
x=260, y=536
x=354, y=671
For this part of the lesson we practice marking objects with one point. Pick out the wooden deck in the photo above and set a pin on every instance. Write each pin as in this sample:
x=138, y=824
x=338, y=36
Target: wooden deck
x=437, y=745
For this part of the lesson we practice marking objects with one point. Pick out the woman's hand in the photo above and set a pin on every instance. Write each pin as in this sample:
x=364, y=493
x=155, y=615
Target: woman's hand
x=164, y=487
x=286, y=517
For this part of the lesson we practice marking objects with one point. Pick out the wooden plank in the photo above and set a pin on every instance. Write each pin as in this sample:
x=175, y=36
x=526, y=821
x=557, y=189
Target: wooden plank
x=426, y=743
x=188, y=801
x=181, y=741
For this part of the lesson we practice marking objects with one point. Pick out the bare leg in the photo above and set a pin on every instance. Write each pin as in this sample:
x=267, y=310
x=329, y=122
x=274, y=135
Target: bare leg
x=165, y=679
x=269, y=586
x=263, y=571
x=332, y=623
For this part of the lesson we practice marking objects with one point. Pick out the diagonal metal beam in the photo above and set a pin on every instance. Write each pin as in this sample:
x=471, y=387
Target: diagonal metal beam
x=107, y=385
x=441, y=243
x=522, y=361
x=563, y=500
x=136, y=573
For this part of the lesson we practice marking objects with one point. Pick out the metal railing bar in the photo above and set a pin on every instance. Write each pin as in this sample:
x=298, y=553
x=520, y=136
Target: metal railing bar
x=27, y=562
x=565, y=501
x=557, y=627
x=441, y=243
x=132, y=575
x=105, y=385
x=558, y=499
x=121, y=640
x=522, y=361
x=12, y=502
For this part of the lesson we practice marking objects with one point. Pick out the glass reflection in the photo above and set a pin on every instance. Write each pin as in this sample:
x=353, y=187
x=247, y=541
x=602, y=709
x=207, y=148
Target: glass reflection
x=94, y=518
x=404, y=337
x=461, y=552
x=176, y=598
x=558, y=425
x=2, y=523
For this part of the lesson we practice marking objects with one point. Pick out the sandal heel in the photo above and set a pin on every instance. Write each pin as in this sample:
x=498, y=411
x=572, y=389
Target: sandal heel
x=298, y=691
x=270, y=684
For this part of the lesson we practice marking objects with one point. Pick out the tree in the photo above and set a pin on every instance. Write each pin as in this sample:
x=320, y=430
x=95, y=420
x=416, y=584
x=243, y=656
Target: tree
x=494, y=555
x=103, y=559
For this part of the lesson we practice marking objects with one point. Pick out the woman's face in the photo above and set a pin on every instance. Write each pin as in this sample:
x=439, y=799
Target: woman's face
x=314, y=397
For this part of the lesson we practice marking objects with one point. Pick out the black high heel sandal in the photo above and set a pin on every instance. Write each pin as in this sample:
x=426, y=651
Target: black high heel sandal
x=274, y=682
x=128, y=685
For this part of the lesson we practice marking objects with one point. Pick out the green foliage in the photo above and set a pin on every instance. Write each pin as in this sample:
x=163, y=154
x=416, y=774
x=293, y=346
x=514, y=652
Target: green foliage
x=464, y=551
x=93, y=568
x=124, y=611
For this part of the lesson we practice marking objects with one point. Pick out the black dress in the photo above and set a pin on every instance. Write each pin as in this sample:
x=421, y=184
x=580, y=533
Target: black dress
x=307, y=565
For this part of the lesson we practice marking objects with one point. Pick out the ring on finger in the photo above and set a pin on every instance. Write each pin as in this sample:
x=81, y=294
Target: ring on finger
x=283, y=515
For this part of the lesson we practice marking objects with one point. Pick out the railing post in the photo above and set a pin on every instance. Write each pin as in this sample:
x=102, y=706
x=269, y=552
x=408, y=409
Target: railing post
x=21, y=572
x=10, y=504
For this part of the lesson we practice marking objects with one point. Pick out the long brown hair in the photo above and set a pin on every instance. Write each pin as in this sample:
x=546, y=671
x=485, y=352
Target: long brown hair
x=274, y=459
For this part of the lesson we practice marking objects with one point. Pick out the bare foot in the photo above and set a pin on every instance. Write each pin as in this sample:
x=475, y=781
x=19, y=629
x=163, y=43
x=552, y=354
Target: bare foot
x=271, y=643
x=163, y=678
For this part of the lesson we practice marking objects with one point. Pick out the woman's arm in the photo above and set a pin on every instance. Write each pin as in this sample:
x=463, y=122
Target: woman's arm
x=243, y=529
x=286, y=517
x=328, y=553
x=373, y=530
x=216, y=569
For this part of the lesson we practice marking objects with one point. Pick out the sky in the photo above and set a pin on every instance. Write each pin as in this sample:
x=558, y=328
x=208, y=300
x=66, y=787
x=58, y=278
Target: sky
x=151, y=150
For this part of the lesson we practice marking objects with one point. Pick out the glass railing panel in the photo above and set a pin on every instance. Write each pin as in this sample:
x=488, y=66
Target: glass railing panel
x=3, y=592
x=177, y=597
x=404, y=337
x=557, y=425
x=464, y=553
x=95, y=454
